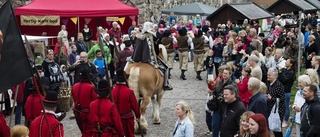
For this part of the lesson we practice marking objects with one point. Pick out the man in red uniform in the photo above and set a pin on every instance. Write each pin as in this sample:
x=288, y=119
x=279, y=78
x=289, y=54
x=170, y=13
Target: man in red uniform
x=126, y=102
x=33, y=106
x=83, y=94
x=4, y=129
x=47, y=126
x=104, y=115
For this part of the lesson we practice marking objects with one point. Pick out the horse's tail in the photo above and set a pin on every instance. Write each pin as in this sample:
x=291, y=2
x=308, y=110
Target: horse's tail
x=134, y=79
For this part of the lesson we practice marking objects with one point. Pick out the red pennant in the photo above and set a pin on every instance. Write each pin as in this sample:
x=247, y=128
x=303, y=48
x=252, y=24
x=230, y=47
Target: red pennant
x=87, y=20
x=132, y=18
x=109, y=23
x=65, y=21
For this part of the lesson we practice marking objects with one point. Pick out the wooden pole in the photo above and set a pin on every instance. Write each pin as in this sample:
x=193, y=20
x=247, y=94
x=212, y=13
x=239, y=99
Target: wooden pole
x=14, y=104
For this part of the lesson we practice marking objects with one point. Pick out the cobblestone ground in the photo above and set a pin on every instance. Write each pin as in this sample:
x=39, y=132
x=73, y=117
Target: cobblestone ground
x=191, y=90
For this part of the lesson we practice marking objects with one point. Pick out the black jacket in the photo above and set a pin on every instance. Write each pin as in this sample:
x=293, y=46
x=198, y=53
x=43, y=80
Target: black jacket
x=310, y=115
x=231, y=118
x=81, y=47
x=89, y=67
x=258, y=104
x=286, y=77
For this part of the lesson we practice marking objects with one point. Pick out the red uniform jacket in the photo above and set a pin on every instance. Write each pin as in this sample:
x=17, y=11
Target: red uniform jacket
x=105, y=113
x=33, y=106
x=4, y=129
x=83, y=94
x=20, y=92
x=126, y=101
x=39, y=126
x=243, y=90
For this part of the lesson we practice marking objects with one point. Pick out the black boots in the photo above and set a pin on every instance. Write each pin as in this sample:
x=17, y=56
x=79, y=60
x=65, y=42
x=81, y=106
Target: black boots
x=182, y=76
x=198, y=75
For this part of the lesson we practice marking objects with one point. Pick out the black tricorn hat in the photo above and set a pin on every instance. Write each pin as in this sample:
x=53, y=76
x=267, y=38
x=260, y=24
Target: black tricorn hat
x=103, y=88
x=83, y=74
x=120, y=75
x=167, y=33
x=183, y=31
x=51, y=99
x=127, y=43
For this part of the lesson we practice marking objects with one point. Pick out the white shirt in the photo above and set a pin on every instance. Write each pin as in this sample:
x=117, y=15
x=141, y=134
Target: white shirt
x=298, y=101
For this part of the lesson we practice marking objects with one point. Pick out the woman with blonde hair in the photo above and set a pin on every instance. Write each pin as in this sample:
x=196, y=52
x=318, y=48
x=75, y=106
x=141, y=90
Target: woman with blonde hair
x=315, y=63
x=19, y=131
x=303, y=80
x=184, y=125
x=313, y=75
x=244, y=124
x=227, y=51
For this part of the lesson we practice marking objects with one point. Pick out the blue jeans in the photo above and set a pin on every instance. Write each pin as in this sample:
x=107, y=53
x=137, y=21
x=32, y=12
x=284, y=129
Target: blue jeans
x=17, y=117
x=216, y=124
x=287, y=103
x=209, y=120
x=191, y=54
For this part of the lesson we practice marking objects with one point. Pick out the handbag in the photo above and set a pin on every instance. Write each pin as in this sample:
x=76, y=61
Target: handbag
x=274, y=118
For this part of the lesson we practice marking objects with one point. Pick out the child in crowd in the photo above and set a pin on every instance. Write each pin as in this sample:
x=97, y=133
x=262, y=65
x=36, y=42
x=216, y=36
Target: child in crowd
x=65, y=75
x=209, y=64
x=100, y=65
x=73, y=54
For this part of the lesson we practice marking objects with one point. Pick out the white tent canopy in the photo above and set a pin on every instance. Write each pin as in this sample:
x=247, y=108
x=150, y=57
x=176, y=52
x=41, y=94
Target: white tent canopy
x=32, y=38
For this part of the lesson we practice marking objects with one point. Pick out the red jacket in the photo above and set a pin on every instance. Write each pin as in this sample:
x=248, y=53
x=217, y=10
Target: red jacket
x=56, y=49
x=105, y=113
x=33, y=106
x=243, y=90
x=83, y=93
x=126, y=101
x=20, y=92
x=39, y=126
x=116, y=32
x=4, y=129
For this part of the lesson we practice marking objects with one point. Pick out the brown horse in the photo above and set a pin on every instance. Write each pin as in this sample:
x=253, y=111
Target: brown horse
x=147, y=81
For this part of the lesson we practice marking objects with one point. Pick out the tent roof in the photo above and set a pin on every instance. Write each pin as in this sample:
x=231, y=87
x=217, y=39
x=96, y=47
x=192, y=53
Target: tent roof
x=286, y=6
x=249, y=10
x=80, y=8
x=191, y=9
x=315, y=3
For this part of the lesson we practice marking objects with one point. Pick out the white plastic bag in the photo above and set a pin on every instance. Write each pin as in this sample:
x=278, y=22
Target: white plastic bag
x=274, y=118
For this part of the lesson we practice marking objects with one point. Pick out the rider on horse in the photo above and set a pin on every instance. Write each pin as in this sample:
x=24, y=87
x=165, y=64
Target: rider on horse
x=147, y=51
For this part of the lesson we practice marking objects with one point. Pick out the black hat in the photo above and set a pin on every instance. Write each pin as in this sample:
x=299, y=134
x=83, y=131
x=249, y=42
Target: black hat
x=205, y=28
x=127, y=43
x=198, y=33
x=183, y=31
x=166, y=33
x=103, y=88
x=37, y=67
x=120, y=75
x=83, y=74
x=51, y=99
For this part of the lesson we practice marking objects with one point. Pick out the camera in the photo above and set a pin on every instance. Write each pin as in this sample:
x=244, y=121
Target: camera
x=81, y=61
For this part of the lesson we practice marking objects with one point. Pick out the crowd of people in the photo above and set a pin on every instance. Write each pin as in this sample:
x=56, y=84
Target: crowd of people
x=249, y=75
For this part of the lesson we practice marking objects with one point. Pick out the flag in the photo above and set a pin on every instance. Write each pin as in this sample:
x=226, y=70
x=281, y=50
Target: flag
x=14, y=63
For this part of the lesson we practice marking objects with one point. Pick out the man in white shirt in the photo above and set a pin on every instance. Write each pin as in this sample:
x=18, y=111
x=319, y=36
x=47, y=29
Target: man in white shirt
x=279, y=61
